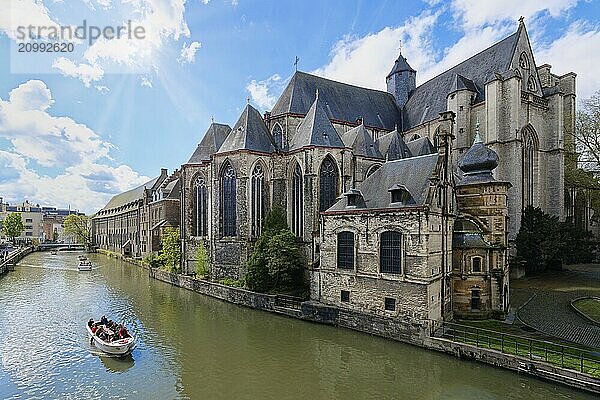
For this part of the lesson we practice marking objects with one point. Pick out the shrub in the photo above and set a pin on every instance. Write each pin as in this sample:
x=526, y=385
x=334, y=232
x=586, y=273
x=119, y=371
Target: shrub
x=202, y=261
x=233, y=282
x=277, y=262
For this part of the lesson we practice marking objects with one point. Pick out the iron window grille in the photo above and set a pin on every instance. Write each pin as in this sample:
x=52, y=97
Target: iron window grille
x=390, y=252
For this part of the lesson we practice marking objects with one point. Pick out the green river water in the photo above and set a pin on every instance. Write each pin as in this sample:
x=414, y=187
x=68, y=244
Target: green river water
x=192, y=346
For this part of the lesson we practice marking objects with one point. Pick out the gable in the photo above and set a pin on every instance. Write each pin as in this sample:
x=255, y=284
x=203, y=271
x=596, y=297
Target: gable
x=524, y=55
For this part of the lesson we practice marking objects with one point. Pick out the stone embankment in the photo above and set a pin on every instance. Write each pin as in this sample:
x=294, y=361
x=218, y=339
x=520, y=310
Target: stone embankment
x=8, y=261
x=390, y=328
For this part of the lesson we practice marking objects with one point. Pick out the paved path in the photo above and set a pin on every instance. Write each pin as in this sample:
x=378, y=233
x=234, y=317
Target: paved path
x=550, y=312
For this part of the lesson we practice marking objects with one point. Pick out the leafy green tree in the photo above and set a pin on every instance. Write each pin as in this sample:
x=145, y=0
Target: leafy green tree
x=202, y=261
x=545, y=242
x=12, y=226
x=171, y=250
x=277, y=263
x=79, y=227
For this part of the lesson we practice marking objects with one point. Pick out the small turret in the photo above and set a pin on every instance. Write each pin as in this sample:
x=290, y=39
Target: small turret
x=478, y=162
x=401, y=81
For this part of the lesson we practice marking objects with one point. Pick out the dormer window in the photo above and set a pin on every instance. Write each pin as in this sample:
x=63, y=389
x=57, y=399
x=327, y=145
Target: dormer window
x=399, y=194
x=354, y=196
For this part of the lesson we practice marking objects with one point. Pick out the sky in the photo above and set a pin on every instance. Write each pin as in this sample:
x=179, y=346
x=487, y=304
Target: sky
x=77, y=127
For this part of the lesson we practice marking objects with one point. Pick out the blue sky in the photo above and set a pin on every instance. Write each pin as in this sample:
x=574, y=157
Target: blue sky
x=76, y=128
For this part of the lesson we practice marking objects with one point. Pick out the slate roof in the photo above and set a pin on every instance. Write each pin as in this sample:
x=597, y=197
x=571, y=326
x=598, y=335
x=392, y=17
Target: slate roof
x=361, y=142
x=412, y=173
x=478, y=162
x=341, y=101
x=429, y=99
x=400, y=65
x=249, y=133
x=315, y=129
x=129, y=196
x=171, y=190
x=210, y=143
x=393, y=147
x=420, y=146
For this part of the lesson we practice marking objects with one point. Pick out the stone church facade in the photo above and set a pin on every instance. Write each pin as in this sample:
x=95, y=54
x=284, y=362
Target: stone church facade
x=403, y=201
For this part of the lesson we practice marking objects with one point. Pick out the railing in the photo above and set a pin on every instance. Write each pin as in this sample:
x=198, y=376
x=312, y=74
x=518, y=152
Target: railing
x=567, y=357
x=13, y=257
x=288, y=302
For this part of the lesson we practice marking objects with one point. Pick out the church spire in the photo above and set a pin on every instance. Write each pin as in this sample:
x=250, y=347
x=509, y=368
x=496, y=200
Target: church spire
x=401, y=81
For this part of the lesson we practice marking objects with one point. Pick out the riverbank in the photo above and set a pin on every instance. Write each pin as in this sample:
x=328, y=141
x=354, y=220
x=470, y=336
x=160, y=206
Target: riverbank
x=418, y=335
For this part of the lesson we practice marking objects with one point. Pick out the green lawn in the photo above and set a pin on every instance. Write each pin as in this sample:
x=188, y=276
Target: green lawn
x=477, y=333
x=590, y=307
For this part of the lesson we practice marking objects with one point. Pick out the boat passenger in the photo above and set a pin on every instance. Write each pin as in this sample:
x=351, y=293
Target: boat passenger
x=103, y=320
x=91, y=322
x=94, y=329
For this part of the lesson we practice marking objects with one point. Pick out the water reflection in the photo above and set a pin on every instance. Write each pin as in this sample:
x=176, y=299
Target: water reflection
x=191, y=346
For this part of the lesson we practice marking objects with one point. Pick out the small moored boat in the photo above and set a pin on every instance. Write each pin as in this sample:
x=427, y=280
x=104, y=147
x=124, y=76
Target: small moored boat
x=81, y=257
x=85, y=265
x=119, y=343
x=54, y=252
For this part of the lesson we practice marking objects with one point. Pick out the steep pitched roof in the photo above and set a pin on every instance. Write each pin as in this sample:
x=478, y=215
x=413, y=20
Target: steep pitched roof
x=171, y=190
x=420, y=146
x=361, y=142
x=129, y=196
x=393, y=147
x=249, y=133
x=411, y=173
x=210, y=143
x=341, y=101
x=315, y=129
x=400, y=65
x=429, y=99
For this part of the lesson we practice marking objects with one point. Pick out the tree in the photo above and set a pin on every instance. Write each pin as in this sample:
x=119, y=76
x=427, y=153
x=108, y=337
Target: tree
x=277, y=263
x=587, y=132
x=202, y=261
x=79, y=227
x=545, y=242
x=12, y=226
x=171, y=251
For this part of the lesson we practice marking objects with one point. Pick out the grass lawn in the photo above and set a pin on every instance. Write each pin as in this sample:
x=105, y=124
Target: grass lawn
x=509, y=339
x=590, y=307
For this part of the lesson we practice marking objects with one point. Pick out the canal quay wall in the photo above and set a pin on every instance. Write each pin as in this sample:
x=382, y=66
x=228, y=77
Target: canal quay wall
x=415, y=334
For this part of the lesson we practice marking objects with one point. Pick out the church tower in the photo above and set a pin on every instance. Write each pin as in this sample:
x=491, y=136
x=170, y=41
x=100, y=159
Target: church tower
x=401, y=81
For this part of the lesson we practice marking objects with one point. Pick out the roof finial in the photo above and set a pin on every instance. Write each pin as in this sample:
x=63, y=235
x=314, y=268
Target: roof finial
x=521, y=20
x=396, y=127
x=317, y=93
x=248, y=100
x=400, y=46
x=212, y=119
x=296, y=63
x=477, y=136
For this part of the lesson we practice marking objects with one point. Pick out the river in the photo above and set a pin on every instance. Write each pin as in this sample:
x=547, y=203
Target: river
x=192, y=346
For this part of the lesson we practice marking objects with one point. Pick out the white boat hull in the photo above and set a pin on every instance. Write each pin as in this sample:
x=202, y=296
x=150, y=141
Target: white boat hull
x=119, y=347
x=84, y=268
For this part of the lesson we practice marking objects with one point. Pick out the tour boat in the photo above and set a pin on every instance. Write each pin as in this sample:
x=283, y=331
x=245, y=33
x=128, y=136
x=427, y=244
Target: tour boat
x=81, y=257
x=119, y=347
x=85, y=265
x=54, y=252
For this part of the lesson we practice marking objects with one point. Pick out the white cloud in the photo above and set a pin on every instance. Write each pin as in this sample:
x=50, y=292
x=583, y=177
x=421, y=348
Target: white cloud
x=86, y=177
x=263, y=92
x=31, y=95
x=352, y=60
x=188, y=52
x=23, y=13
x=474, y=13
x=85, y=72
x=578, y=50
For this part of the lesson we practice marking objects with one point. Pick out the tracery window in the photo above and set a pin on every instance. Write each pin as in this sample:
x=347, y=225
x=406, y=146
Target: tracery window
x=345, y=250
x=524, y=61
x=390, y=252
x=278, y=136
x=257, y=199
x=200, y=214
x=531, y=86
x=297, y=202
x=228, y=200
x=328, y=184
x=530, y=148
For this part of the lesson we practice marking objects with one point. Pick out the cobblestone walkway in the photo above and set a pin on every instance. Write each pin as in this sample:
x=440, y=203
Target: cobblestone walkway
x=550, y=312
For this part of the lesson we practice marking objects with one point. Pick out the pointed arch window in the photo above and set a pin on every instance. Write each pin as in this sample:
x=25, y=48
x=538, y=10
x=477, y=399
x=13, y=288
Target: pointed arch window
x=524, y=61
x=530, y=148
x=278, y=136
x=531, y=85
x=228, y=200
x=297, y=202
x=328, y=184
x=257, y=199
x=200, y=214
